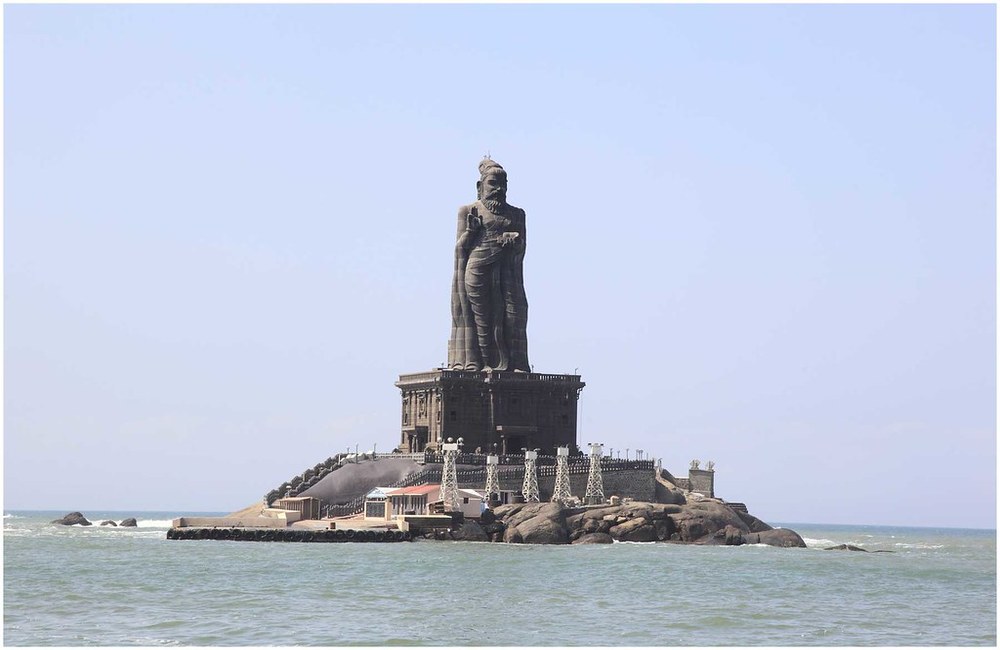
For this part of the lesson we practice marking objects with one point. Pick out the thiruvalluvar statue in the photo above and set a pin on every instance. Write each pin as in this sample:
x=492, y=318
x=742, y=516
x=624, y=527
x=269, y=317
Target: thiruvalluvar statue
x=489, y=310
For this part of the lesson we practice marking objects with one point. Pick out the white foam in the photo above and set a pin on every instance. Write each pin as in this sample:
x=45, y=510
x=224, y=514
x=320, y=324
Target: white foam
x=818, y=542
x=920, y=546
x=154, y=523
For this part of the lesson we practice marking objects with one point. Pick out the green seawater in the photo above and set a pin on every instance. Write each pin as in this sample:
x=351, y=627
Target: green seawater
x=118, y=587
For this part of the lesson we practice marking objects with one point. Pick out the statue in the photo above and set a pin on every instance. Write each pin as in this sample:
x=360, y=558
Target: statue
x=489, y=310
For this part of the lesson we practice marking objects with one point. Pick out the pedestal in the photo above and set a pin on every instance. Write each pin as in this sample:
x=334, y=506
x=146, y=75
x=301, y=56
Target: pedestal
x=511, y=410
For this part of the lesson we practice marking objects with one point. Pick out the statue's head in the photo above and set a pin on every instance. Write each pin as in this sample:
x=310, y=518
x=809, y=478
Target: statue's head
x=492, y=183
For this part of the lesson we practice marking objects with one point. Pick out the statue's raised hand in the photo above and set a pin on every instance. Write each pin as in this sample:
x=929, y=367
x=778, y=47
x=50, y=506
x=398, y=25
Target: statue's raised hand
x=473, y=222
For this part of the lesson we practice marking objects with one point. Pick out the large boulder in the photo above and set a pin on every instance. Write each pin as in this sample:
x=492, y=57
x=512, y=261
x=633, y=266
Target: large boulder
x=533, y=523
x=594, y=538
x=541, y=530
x=639, y=529
x=755, y=525
x=72, y=519
x=704, y=517
x=663, y=528
x=470, y=531
x=108, y=523
x=129, y=523
x=729, y=536
x=782, y=537
x=588, y=526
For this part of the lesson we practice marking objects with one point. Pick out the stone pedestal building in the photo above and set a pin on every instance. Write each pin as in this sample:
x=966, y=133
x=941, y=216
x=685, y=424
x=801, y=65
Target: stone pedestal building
x=502, y=411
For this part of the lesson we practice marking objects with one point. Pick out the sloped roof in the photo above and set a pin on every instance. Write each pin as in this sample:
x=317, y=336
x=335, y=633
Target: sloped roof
x=412, y=489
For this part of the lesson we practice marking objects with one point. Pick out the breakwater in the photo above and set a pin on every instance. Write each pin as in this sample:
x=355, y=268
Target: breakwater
x=289, y=535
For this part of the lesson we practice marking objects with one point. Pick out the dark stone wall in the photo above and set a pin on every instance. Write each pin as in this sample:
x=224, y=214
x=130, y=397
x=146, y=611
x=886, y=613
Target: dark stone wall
x=511, y=410
x=638, y=484
x=702, y=481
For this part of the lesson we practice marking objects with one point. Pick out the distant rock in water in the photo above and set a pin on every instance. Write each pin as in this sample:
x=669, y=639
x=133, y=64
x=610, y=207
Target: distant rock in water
x=129, y=523
x=849, y=547
x=109, y=523
x=72, y=519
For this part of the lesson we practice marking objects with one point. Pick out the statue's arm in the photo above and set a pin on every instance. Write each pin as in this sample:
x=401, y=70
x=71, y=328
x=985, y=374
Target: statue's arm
x=466, y=229
x=521, y=239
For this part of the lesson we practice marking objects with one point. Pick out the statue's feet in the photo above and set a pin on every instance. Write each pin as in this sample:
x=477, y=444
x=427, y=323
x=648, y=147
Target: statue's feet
x=469, y=367
x=519, y=370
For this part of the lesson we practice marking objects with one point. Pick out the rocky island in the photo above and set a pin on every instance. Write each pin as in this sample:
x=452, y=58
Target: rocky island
x=471, y=461
x=702, y=521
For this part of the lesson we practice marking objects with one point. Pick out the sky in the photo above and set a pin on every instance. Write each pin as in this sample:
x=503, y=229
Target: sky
x=764, y=235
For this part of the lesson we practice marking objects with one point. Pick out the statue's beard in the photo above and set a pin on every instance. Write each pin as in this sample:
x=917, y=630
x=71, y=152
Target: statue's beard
x=495, y=204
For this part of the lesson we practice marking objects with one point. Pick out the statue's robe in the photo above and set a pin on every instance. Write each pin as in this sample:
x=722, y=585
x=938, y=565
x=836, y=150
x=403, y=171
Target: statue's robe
x=489, y=309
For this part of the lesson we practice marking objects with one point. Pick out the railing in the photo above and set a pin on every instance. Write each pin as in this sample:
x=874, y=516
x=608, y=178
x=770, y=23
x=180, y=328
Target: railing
x=306, y=479
x=492, y=376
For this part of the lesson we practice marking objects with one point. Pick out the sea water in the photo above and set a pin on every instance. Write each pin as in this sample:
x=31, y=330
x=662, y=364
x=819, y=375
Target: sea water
x=131, y=586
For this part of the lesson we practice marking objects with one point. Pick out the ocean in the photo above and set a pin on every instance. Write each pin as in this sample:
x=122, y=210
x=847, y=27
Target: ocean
x=79, y=586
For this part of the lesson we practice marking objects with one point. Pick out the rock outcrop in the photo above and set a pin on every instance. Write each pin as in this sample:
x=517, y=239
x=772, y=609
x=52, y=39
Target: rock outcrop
x=470, y=531
x=850, y=547
x=129, y=523
x=109, y=523
x=72, y=519
x=699, y=521
x=533, y=523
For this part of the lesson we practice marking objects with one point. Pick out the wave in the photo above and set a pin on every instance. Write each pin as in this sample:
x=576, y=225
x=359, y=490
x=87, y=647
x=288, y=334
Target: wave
x=140, y=523
x=918, y=546
x=7, y=515
x=810, y=542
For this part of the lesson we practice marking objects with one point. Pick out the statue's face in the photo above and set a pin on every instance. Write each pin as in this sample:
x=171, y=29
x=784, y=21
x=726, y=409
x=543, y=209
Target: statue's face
x=494, y=187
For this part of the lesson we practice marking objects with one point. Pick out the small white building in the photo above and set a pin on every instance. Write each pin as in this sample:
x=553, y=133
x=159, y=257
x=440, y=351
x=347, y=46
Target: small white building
x=472, y=502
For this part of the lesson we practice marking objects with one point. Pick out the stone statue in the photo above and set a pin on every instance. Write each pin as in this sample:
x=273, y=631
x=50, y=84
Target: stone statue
x=489, y=310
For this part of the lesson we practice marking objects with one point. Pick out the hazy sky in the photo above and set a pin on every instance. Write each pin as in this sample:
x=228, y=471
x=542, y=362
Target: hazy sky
x=765, y=235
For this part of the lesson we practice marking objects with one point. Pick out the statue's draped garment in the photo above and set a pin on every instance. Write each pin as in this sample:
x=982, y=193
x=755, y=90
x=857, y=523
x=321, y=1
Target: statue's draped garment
x=489, y=309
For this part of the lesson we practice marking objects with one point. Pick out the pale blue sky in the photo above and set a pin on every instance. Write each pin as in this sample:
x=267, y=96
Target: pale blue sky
x=765, y=235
